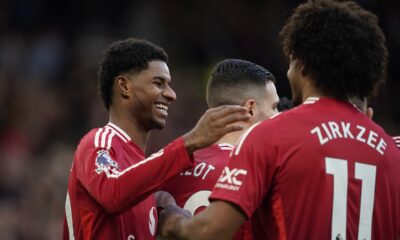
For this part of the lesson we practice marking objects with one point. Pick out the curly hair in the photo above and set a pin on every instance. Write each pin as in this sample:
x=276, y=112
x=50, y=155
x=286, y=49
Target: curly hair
x=126, y=56
x=341, y=46
x=233, y=81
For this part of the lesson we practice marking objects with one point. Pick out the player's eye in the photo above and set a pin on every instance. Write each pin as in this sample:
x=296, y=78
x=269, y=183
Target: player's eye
x=158, y=83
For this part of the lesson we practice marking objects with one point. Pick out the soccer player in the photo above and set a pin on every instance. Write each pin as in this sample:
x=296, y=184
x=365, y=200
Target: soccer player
x=322, y=170
x=232, y=81
x=111, y=183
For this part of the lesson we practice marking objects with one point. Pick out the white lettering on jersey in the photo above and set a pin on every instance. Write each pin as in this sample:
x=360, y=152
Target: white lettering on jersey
x=229, y=179
x=381, y=146
x=332, y=130
x=131, y=237
x=335, y=130
x=346, y=130
x=372, y=138
x=201, y=170
x=326, y=131
x=361, y=133
x=152, y=220
x=321, y=139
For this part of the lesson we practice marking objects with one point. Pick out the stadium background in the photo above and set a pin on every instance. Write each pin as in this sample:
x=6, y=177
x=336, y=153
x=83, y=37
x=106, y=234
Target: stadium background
x=49, y=51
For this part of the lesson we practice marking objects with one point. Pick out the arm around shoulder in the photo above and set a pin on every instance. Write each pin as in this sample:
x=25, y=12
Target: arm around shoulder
x=220, y=220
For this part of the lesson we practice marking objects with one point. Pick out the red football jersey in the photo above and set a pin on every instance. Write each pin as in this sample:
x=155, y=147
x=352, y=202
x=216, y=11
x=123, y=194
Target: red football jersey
x=397, y=141
x=110, y=186
x=320, y=171
x=190, y=190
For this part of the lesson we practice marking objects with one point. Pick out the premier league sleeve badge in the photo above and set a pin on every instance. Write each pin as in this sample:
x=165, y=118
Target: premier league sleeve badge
x=104, y=163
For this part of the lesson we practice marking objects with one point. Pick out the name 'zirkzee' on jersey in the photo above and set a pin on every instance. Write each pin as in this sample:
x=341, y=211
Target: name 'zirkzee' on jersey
x=108, y=195
x=322, y=170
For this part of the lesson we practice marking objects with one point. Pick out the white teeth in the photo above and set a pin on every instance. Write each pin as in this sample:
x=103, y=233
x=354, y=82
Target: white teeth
x=162, y=106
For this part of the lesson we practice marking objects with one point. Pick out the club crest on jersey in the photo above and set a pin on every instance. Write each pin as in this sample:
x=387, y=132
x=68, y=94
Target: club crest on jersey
x=105, y=163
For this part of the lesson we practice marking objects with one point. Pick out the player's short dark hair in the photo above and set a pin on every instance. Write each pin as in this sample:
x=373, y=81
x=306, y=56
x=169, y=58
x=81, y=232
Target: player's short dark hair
x=233, y=81
x=341, y=46
x=126, y=56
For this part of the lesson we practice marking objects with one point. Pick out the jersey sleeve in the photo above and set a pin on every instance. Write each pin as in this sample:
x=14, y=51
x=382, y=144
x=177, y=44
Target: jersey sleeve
x=247, y=177
x=116, y=189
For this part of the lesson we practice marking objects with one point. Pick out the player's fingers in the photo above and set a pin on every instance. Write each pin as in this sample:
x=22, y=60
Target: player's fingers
x=187, y=213
x=230, y=109
x=233, y=118
x=224, y=110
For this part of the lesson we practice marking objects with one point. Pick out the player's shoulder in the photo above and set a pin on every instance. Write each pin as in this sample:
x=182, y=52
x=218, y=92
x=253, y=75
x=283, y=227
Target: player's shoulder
x=103, y=137
x=88, y=138
x=215, y=150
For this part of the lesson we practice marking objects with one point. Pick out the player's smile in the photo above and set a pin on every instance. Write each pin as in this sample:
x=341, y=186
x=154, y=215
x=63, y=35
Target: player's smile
x=161, y=109
x=152, y=94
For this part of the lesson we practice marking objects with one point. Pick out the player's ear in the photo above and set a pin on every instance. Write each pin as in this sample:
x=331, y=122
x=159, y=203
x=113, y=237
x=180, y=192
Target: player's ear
x=369, y=112
x=250, y=104
x=303, y=69
x=122, y=86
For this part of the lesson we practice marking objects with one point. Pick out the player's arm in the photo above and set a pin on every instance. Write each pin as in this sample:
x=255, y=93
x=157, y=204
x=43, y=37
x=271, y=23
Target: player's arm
x=218, y=221
x=117, y=191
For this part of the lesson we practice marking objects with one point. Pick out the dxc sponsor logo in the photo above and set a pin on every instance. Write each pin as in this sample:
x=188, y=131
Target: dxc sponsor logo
x=231, y=176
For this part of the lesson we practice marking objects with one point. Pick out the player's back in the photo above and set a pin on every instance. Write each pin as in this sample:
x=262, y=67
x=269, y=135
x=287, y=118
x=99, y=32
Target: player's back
x=191, y=188
x=336, y=173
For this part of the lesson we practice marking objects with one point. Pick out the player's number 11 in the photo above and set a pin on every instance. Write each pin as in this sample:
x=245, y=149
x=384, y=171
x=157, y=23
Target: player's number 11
x=364, y=172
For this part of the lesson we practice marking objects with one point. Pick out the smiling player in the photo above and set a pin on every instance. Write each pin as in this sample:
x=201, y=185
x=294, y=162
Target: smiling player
x=111, y=183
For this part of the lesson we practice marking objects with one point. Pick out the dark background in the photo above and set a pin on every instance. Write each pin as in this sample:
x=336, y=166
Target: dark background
x=49, y=54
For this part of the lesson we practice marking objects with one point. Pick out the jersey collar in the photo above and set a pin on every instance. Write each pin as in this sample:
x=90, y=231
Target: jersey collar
x=122, y=133
x=311, y=100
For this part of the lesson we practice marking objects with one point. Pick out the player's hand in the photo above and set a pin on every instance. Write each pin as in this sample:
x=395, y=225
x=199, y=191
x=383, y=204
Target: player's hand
x=164, y=199
x=214, y=124
x=169, y=217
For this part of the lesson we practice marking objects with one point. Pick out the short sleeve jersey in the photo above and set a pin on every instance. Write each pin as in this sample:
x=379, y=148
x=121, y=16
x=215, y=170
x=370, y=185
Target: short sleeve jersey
x=190, y=190
x=322, y=170
x=111, y=183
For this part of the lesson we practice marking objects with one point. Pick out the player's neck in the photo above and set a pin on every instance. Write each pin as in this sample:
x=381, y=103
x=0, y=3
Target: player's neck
x=129, y=125
x=309, y=90
x=231, y=138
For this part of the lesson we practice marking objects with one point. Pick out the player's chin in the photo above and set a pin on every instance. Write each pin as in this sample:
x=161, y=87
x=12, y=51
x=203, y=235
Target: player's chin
x=159, y=123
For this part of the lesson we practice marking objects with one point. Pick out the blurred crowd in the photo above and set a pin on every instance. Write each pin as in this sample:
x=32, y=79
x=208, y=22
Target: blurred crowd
x=49, y=55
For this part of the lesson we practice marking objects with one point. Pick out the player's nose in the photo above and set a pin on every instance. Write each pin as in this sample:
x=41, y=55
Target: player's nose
x=169, y=93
